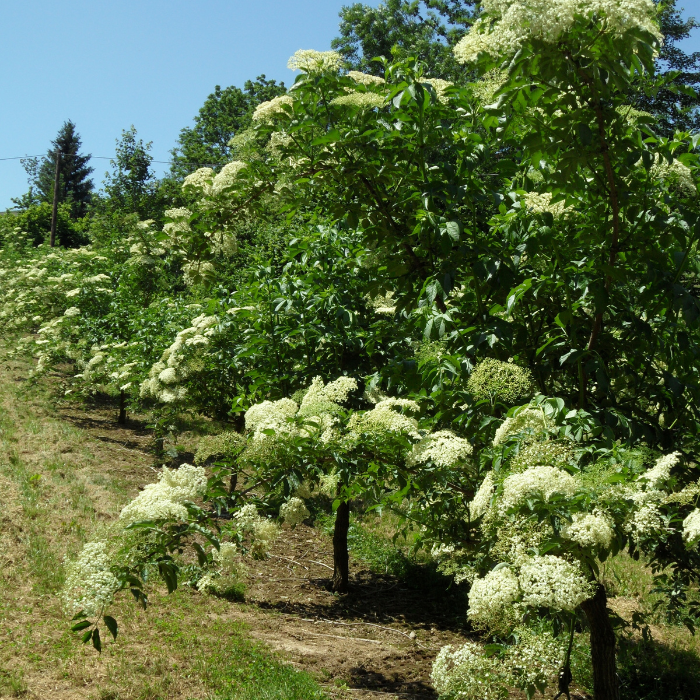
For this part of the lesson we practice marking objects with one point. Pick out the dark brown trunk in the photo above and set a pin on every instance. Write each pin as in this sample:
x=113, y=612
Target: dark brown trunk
x=122, y=408
x=232, y=484
x=341, y=564
x=606, y=685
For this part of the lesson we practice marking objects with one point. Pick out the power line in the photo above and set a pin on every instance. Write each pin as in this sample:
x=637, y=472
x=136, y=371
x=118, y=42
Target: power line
x=162, y=162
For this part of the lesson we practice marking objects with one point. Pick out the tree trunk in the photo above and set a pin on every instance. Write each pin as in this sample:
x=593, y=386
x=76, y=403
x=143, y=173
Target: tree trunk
x=122, y=408
x=606, y=684
x=340, y=548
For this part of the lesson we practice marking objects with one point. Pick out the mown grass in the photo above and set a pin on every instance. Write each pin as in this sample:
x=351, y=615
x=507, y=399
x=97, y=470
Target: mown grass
x=57, y=492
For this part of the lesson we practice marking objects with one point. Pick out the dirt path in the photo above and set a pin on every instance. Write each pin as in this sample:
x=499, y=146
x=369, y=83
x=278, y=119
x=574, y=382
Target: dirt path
x=65, y=473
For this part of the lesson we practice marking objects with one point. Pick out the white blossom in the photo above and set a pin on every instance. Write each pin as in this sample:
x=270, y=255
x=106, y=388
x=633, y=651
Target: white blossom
x=661, y=471
x=365, y=78
x=536, y=482
x=466, y=673
x=691, y=528
x=90, y=585
x=528, y=420
x=363, y=100
x=443, y=448
x=310, y=61
x=551, y=582
x=510, y=24
x=228, y=176
x=489, y=595
x=164, y=500
x=267, y=111
x=72, y=311
x=270, y=415
x=294, y=511
x=199, y=180
x=482, y=499
x=589, y=530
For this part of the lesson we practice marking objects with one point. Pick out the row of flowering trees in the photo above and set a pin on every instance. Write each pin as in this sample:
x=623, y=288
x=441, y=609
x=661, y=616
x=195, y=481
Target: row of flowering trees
x=494, y=301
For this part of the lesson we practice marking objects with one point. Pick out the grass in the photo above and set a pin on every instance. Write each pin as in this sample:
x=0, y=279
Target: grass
x=58, y=488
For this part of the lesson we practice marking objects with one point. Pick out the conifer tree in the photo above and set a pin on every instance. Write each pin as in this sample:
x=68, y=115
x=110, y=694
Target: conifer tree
x=74, y=184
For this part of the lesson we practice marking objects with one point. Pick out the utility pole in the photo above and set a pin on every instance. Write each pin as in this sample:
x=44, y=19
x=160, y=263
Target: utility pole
x=54, y=213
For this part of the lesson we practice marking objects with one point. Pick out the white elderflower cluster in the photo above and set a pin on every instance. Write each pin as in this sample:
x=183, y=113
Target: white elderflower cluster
x=674, y=172
x=365, y=78
x=537, y=482
x=225, y=557
x=482, y=498
x=443, y=448
x=278, y=141
x=294, y=511
x=166, y=376
x=491, y=595
x=541, y=203
x=262, y=531
x=199, y=180
x=179, y=224
x=645, y=521
x=528, y=420
x=385, y=418
x=466, y=673
x=165, y=499
x=362, y=100
x=551, y=582
x=535, y=659
x=540, y=452
x=267, y=111
x=440, y=86
x=691, y=528
x=310, y=61
x=227, y=177
x=509, y=25
x=90, y=585
x=320, y=398
x=661, y=471
x=72, y=311
x=589, y=530
x=270, y=415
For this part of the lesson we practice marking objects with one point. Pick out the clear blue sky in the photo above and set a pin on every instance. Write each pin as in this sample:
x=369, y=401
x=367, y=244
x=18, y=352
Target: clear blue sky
x=150, y=63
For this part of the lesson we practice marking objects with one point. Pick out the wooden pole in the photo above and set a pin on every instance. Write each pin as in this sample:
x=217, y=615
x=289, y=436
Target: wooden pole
x=54, y=213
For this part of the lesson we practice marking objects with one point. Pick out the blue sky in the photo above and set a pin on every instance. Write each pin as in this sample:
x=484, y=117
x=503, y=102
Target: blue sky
x=150, y=63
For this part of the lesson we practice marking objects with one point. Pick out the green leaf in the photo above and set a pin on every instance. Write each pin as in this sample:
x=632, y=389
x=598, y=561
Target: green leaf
x=80, y=626
x=87, y=636
x=96, y=641
x=111, y=625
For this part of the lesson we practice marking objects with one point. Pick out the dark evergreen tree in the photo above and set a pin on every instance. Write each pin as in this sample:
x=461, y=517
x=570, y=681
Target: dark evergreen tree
x=426, y=29
x=74, y=184
x=225, y=113
x=675, y=106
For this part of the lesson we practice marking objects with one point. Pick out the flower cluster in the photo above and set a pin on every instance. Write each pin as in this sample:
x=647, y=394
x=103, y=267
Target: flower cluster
x=227, y=177
x=551, y=582
x=166, y=376
x=482, y=499
x=661, y=471
x=691, y=528
x=294, y=511
x=443, y=448
x=384, y=418
x=493, y=594
x=466, y=673
x=504, y=382
x=267, y=111
x=508, y=25
x=90, y=585
x=440, y=86
x=165, y=499
x=541, y=203
x=365, y=78
x=262, y=531
x=589, y=530
x=538, y=482
x=528, y=420
x=310, y=61
x=361, y=100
